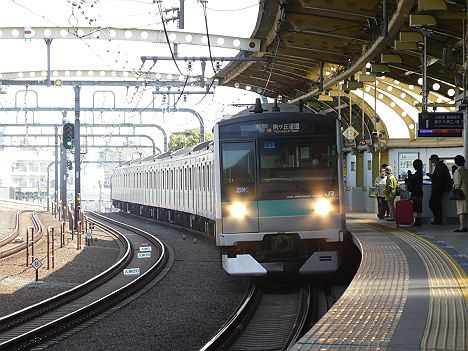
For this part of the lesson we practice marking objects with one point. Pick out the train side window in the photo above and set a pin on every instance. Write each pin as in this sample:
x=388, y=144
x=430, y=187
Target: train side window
x=204, y=178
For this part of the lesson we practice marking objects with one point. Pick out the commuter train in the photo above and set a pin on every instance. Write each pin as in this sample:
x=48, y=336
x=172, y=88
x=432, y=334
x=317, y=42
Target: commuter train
x=266, y=188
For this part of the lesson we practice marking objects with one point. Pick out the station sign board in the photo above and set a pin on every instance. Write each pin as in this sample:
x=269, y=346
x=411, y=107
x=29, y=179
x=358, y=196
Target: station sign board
x=440, y=124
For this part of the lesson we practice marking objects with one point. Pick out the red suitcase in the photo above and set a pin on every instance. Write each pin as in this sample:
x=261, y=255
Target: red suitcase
x=404, y=212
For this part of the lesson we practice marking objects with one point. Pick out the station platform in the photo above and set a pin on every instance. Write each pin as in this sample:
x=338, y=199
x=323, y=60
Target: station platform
x=410, y=292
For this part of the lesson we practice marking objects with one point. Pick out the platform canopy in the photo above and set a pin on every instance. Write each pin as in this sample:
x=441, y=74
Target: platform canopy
x=356, y=41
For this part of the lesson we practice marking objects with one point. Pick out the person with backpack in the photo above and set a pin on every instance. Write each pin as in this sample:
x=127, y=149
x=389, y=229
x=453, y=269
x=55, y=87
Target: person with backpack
x=414, y=182
x=441, y=182
x=390, y=192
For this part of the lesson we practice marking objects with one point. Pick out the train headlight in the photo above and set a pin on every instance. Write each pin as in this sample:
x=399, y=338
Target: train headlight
x=238, y=210
x=322, y=207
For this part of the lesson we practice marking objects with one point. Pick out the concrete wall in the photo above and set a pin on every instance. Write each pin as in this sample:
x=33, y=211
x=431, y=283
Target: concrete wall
x=351, y=166
x=368, y=181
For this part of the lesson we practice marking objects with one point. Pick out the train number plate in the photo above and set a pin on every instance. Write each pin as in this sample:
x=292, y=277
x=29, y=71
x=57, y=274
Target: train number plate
x=145, y=248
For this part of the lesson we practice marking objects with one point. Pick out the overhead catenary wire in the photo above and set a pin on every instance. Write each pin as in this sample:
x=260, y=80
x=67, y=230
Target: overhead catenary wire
x=203, y=3
x=167, y=36
x=238, y=9
x=182, y=92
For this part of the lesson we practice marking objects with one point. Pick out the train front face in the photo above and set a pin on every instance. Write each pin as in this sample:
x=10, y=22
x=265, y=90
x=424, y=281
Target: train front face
x=277, y=188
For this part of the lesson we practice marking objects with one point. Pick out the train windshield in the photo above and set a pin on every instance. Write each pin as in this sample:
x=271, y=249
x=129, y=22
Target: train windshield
x=294, y=167
x=238, y=160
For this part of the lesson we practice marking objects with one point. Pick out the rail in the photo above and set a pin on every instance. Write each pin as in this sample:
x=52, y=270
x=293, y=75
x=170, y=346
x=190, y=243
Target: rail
x=115, y=290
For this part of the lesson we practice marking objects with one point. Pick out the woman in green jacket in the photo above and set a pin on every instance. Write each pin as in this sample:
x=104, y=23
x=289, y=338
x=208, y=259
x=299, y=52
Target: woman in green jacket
x=390, y=192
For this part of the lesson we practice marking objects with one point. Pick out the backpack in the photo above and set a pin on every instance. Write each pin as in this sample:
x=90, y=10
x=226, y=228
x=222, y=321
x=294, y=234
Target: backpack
x=448, y=179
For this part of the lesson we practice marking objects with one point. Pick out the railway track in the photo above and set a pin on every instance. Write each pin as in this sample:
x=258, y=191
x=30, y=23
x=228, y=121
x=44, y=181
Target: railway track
x=38, y=323
x=267, y=319
x=7, y=245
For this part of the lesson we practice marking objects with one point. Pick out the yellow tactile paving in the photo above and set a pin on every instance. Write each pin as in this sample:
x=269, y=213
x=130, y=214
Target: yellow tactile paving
x=446, y=326
x=366, y=316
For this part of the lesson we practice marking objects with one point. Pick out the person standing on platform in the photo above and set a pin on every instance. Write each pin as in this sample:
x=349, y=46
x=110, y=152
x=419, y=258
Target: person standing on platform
x=415, y=183
x=441, y=182
x=460, y=181
x=380, y=184
x=390, y=192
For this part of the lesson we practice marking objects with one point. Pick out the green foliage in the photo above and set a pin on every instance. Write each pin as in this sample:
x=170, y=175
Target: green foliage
x=189, y=137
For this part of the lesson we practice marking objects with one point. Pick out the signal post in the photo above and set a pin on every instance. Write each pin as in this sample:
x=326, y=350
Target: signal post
x=77, y=89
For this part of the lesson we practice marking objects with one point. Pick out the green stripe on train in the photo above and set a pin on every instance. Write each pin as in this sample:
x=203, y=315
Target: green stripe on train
x=291, y=207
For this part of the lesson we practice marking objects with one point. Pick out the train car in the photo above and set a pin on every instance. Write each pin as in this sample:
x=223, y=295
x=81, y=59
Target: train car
x=266, y=188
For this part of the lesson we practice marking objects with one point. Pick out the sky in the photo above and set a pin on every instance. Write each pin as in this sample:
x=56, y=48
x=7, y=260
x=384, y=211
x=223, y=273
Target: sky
x=233, y=18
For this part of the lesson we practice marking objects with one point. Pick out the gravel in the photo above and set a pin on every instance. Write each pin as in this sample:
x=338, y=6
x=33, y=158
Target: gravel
x=18, y=288
x=182, y=312
x=7, y=222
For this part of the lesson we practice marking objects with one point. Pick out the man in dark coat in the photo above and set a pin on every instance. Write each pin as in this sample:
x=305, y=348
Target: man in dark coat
x=441, y=182
x=415, y=183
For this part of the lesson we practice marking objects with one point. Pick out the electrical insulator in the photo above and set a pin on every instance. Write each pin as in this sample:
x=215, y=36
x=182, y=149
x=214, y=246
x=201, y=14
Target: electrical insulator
x=164, y=98
x=185, y=97
x=189, y=65
x=218, y=65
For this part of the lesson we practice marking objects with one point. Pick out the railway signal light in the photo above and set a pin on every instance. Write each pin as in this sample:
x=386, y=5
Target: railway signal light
x=68, y=135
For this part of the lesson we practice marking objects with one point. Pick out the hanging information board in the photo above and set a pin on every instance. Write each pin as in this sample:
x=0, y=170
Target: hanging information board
x=440, y=124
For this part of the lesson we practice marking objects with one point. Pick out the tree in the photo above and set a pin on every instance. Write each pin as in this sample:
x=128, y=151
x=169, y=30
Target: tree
x=189, y=137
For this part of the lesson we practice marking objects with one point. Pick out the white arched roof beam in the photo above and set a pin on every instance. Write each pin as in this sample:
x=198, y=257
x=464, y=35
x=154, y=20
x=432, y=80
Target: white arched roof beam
x=397, y=125
x=369, y=111
x=130, y=34
x=412, y=94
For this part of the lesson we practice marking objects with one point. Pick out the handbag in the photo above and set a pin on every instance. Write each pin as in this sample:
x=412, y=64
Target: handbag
x=456, y=194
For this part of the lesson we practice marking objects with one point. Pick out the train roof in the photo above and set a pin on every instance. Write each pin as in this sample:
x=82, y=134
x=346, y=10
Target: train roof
x=169, y=155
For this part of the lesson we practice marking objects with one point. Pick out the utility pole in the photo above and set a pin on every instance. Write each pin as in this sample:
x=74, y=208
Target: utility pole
x=77, y=89
x=56, y=171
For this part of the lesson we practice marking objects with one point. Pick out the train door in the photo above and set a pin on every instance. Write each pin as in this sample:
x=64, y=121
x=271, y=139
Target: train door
x=238, y=187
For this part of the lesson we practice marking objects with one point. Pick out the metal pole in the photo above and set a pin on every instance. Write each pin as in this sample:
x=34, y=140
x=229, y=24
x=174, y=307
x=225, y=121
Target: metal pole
x=48, y=186
x=385, y=18
x=321, y=76
x=465, y=134
x=52, y=229
x=48, y=248
x=339, y=151
x=56, y=171
x=27, y=247
x=424, y=77
x=32, y=244
x=181, y=14
x=48, y=43
x=63, y=180
x=77, y=156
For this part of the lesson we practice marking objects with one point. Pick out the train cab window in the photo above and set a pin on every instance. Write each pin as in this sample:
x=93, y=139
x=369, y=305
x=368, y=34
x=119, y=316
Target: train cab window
x=238, y=169
x=296, y=167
